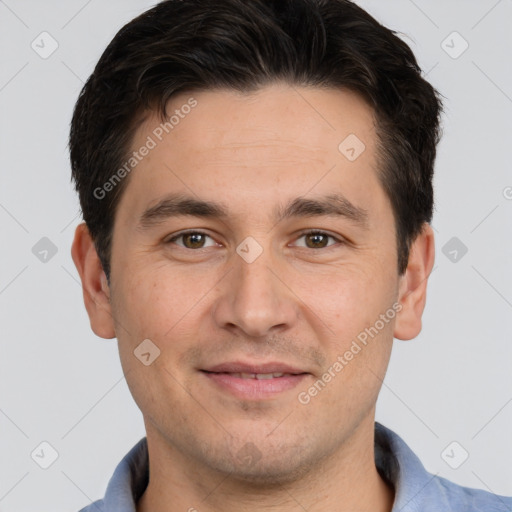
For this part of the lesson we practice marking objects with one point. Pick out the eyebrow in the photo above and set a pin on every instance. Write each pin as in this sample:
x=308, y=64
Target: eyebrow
x=332, y=205
x=176, y=205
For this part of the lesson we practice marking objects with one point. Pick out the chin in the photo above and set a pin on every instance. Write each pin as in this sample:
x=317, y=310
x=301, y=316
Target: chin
x=275, y=467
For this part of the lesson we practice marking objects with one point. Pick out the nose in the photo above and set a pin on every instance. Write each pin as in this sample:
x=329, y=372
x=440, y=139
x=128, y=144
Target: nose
x=255, y=299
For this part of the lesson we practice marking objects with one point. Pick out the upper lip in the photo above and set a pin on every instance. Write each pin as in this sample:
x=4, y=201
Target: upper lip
x=239, y=367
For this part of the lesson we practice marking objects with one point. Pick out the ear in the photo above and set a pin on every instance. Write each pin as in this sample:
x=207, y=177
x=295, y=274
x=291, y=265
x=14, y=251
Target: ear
x=413, y=285
x=94, y=283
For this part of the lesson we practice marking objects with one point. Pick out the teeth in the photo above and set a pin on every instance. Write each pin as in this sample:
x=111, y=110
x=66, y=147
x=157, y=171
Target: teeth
x=264, y=376
x=259, y=376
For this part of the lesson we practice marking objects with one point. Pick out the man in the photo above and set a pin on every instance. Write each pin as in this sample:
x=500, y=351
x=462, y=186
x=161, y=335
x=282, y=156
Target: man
x=256, y=184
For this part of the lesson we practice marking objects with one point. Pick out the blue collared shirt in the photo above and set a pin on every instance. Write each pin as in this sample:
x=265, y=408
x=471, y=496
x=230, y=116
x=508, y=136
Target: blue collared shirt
x=416, y=490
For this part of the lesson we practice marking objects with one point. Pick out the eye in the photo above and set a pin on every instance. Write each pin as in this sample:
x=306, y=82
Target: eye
x=191, y=240
x=317, y=239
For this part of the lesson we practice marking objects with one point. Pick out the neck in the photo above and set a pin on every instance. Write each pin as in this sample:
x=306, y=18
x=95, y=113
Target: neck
x=347, y=481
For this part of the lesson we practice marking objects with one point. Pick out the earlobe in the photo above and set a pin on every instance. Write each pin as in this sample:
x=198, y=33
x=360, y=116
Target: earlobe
x=96, y=291
x=413, y=285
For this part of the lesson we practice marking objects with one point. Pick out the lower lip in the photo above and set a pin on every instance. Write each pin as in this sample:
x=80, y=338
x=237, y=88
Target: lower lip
x=255, y=388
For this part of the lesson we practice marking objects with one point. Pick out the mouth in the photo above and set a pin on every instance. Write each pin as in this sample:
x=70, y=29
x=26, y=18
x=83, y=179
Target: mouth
x=259, y=376
x=254, y=382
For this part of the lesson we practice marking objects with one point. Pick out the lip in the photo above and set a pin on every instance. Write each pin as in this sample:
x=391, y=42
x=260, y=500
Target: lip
x=240, y=367
x=226, y=377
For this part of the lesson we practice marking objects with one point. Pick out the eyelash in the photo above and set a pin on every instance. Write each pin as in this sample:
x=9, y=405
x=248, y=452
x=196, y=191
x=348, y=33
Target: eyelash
x=302, y=234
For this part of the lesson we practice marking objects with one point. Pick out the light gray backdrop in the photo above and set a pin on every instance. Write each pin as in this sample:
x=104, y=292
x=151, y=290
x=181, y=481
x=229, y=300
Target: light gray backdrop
x=448, y=393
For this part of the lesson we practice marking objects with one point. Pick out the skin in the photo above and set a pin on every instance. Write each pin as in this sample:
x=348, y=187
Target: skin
x=298, y=304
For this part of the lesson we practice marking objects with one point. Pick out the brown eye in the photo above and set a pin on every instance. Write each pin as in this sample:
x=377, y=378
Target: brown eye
x=191, y=240
x=316, y=240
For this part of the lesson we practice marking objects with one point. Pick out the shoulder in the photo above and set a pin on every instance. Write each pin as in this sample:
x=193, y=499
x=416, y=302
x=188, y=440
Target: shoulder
x=467, y=499
x=95, y=506
x=127, y=484
x=417, y=490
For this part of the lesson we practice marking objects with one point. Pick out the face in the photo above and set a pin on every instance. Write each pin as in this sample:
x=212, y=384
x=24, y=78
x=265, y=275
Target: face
x=288, y=274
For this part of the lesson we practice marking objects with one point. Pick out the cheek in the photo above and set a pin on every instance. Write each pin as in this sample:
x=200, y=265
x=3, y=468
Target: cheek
x=155, y=299
x=167, y=306
x=152, y=307
x=350, y=297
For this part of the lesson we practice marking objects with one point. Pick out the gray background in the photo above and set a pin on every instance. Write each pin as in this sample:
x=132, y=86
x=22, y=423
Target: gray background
x=63, y=385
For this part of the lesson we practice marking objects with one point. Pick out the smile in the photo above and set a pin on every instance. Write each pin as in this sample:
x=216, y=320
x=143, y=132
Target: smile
x=259, y=376
x=253, y=386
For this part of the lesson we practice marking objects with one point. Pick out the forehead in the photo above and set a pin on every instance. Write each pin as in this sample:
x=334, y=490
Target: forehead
x=277, y=141
x=279, y=117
